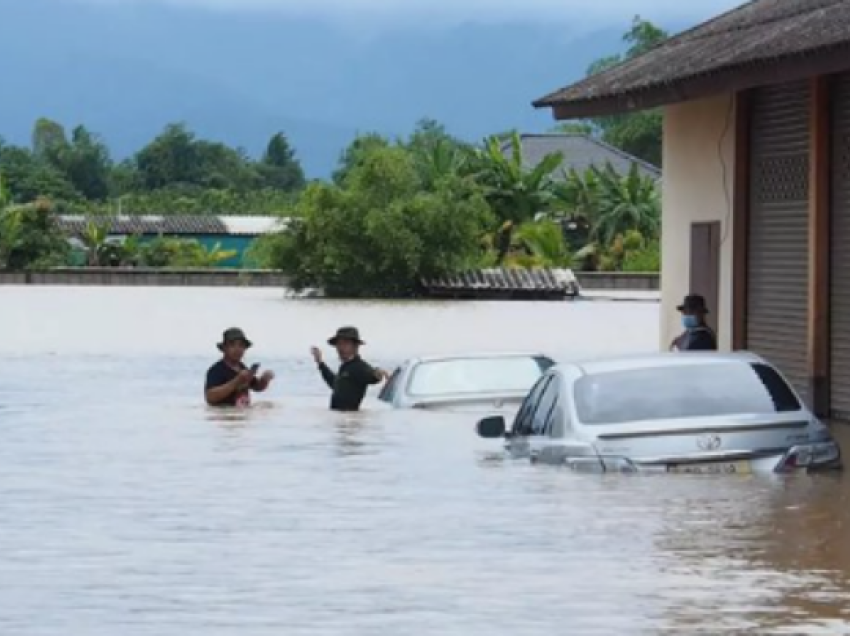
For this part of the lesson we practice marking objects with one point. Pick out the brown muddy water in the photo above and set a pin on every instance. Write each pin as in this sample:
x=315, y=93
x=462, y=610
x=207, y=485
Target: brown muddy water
x=127, y=508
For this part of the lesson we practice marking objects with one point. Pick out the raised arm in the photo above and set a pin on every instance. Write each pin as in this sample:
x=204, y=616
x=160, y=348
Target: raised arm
x=327, y=375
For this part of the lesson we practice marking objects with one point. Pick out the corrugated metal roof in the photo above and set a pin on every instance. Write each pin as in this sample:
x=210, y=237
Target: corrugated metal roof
x=507, y=279
x=759, y=34
x=177, y=225
x=580, y=152
x=253, y=225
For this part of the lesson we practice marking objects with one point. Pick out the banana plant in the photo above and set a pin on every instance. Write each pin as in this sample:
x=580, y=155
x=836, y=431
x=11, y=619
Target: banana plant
x=94, y=237
x=515, y=192
x=629, y=202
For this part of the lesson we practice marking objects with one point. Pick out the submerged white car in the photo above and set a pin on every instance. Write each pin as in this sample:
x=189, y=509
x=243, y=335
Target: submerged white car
x=492, y=382
x=676, y=413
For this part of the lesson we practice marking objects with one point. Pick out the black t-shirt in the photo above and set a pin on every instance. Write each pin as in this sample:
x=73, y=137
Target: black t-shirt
x=698, y=339
x=220, y=374
x=349, y=384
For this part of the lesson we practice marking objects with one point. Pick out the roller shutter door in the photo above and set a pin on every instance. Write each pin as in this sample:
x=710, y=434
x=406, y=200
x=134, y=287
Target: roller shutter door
x=777, y=268
x=840, y=274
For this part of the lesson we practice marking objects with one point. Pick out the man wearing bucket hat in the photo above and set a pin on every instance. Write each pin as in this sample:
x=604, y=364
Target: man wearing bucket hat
x=355, y=375
x=229, y=381
x=697, y=336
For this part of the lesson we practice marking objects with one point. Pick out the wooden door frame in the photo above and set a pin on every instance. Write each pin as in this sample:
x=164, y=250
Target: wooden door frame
x=711, y=269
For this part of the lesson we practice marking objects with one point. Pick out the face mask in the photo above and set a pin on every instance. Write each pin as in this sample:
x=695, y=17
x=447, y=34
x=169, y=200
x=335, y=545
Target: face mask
x=690, y=322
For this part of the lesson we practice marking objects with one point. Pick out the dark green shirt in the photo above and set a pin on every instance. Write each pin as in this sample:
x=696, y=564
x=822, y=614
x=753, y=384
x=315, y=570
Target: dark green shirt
x=349, y=384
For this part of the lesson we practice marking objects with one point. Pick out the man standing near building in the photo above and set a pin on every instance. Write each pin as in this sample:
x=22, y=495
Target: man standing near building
x=355, y=375
x=697, y=336
x=229, y=381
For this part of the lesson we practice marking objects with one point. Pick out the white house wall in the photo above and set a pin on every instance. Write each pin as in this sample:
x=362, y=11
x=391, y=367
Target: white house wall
x=699, y=143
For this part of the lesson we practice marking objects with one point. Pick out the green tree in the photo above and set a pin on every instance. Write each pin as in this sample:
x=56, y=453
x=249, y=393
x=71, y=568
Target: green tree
x=30, y=238
x=49, y=141
x=280, y=168
x=636, y=133
x=94, y=238
x=27, y=178
x=516, y=193
x=630, y=202
x=613, y=205
x=354, y=155
x=379, y=233
x=87, y=165
x=436, y=153
x=171, y=158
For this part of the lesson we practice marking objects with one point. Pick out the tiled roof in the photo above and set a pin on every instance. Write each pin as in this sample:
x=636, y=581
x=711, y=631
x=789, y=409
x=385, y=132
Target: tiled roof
x=580, y=152
x=758, y=43
x=178, y=225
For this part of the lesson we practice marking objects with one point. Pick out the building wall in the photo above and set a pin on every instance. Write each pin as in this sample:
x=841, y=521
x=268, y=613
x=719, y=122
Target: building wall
x=699, y=138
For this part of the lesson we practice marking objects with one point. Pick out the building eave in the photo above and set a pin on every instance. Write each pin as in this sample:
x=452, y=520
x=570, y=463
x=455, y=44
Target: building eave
x=731, y=78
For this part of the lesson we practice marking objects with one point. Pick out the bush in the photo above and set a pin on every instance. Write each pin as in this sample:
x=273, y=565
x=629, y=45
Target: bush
x=173, y=252
x=30, y=238
x=647, y=259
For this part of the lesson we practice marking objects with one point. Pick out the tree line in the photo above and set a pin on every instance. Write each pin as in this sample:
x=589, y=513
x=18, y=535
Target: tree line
x=175, y=173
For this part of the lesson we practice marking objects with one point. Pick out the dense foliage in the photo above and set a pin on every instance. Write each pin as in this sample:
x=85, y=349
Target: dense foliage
x=175, y=173
x=400, y=211
x=380, y=229
x=30, y=237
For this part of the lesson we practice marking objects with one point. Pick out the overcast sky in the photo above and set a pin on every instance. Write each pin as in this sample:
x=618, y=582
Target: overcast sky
x=452, y=12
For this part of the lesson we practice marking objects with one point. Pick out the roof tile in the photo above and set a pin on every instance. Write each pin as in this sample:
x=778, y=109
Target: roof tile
x=757, y=33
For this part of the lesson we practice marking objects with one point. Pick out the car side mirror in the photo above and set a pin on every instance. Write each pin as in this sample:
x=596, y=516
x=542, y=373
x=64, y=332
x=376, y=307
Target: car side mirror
x=491, y=427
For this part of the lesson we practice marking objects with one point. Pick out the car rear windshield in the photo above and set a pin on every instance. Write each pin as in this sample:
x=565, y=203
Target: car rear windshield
x=704, y=390
x=466, y=376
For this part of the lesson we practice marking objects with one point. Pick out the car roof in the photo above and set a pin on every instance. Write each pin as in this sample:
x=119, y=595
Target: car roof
x=480, y=355
x=655, y=360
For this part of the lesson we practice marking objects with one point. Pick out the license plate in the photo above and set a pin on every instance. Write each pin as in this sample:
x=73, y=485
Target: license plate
x=712, y=468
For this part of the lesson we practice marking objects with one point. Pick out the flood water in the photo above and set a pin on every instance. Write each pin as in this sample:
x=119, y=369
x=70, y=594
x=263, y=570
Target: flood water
x=128, y=508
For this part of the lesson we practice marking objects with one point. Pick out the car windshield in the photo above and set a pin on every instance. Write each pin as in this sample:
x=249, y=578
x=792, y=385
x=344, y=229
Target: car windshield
x=707, y=390
x=463, y=376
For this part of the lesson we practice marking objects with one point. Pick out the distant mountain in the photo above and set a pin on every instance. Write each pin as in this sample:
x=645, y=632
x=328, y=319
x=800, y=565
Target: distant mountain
x=127, y=71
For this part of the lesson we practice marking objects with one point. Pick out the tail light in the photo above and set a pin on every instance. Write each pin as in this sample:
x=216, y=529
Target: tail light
x=810, y=456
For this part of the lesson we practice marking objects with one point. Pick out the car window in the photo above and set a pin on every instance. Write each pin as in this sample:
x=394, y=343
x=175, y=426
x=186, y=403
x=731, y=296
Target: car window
x=389, y=390
x=700, y=390
x=474, y=375
x=545, y=407
x=522, y=422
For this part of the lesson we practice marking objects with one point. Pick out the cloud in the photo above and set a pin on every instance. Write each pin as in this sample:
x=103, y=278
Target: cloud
x=578, y=13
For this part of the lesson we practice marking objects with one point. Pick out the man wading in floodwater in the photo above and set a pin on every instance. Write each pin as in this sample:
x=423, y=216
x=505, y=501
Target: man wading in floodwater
x=229, y=381
x=355, y=375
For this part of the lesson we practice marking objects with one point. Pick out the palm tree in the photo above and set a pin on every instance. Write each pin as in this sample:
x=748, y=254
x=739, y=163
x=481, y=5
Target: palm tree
x=440, y=160
x=630, y=202
x=94, y=238
x=514, y=192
